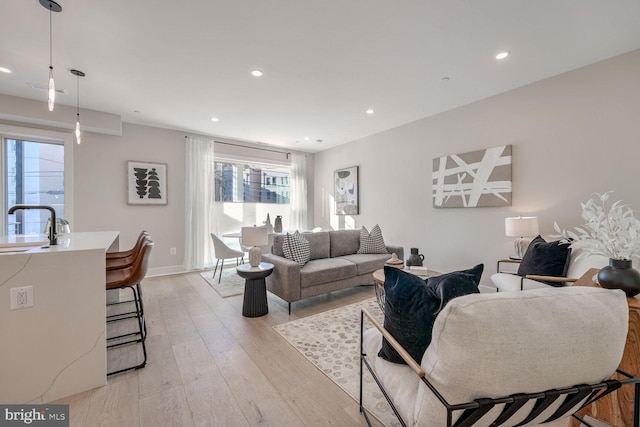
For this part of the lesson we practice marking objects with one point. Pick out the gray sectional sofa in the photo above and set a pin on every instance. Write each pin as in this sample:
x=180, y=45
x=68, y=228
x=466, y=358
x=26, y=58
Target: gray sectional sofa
x=334, y=265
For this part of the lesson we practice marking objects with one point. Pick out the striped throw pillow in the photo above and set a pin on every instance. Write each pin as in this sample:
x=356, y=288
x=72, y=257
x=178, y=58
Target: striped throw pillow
x=296, y=248
x=372, y=243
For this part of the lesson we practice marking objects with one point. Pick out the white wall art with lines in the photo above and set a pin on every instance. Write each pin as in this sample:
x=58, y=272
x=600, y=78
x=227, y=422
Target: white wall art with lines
x=475, y=179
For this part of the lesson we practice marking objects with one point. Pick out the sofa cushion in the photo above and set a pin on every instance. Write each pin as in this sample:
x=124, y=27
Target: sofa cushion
x=367, y=263
x=411, y=306
x=372, y=242
x=325, y=270
x=276, y=249
x=344, y=242
x=319, y=243
x=546, y=259
x=497, y=344
x=296, y=248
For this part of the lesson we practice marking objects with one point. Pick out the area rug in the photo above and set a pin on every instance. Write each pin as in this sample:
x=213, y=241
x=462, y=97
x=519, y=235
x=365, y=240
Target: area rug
x=231, y=284
x=331, y=341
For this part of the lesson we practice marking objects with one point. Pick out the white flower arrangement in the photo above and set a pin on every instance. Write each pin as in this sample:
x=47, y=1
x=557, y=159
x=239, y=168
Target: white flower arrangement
x=614, y=233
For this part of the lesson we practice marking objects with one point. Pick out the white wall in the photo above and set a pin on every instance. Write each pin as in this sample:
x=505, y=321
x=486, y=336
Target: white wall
x=100, y=178
x=572, y=135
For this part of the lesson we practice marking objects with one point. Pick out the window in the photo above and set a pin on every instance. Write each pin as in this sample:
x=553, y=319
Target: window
x=251, y=183
x=33, y=174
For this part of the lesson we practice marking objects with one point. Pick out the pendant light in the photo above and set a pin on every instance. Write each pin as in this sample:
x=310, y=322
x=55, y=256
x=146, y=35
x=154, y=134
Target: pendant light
x=78, y=74
x=52, y=6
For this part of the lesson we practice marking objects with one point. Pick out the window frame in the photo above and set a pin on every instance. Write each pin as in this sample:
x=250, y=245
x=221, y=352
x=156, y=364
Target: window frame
x=44, y=136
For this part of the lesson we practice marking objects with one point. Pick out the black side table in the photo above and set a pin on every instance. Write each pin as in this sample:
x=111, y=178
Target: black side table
x=255, y=288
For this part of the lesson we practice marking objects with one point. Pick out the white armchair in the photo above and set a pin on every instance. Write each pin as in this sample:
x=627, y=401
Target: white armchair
x=577, y=267
x=506, y=358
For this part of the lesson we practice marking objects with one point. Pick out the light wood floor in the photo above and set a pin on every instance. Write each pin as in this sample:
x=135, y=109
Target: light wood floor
x=210, y=366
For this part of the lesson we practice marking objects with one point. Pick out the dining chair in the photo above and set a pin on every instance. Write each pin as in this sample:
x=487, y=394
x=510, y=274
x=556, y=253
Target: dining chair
x=221, y=251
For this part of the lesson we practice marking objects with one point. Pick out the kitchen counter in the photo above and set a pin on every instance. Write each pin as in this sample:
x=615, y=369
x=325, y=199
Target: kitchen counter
x=57, y=347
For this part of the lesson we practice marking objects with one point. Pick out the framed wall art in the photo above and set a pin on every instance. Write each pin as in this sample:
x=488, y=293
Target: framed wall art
x=474, y=179
x=146, y=183
x=346, y=191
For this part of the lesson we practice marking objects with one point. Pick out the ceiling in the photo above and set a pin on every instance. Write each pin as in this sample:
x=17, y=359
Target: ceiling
x=177, y=64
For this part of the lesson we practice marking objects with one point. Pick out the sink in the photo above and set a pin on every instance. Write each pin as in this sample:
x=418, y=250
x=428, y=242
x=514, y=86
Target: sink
x=21, y=243
x=14, y=249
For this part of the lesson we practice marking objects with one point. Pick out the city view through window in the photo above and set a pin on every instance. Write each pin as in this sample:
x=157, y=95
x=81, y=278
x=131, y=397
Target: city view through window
x=251, y=183
x=34, y=174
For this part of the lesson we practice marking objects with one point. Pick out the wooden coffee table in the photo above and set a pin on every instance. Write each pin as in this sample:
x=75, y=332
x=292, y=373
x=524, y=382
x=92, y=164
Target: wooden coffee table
x=378, y=278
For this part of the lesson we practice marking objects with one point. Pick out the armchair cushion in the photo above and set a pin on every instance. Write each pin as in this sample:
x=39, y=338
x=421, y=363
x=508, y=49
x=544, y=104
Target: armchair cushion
x=546, y=259
x=412, y=304
x=513, y=344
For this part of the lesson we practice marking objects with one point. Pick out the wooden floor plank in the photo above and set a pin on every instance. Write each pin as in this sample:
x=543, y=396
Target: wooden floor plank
x=210, y=366
x=167, y=408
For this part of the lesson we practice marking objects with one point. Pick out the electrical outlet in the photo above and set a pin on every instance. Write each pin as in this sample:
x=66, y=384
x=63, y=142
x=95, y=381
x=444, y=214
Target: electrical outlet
x=172, y=251
x=21, y=297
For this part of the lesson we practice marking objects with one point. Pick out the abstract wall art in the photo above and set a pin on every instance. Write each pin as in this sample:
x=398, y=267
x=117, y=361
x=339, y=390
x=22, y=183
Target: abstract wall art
x=475, y=179
x=346, y=191
x=147, y=183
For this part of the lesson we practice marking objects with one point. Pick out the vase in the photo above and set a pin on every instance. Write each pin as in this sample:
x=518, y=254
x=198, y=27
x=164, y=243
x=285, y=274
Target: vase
x=620, y=275
x=415, y=259
x=277, y=227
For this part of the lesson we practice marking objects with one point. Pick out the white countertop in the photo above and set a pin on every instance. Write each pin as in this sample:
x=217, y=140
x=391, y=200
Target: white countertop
x=77, y=241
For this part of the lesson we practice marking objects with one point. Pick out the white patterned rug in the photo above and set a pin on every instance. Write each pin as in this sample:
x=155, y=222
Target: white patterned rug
x=231, y=284
x=331, y=341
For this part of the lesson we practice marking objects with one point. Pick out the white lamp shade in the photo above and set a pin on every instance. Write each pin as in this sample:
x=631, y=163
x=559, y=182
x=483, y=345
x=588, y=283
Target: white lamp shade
x=254, y=236
x=521, y=226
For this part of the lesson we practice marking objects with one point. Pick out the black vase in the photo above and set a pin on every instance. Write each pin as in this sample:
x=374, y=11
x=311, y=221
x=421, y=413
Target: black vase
x=415, y=259
x=619, y=275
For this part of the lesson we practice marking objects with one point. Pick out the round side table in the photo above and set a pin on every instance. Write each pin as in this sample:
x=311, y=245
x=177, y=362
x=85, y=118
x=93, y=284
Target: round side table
x=255, y=288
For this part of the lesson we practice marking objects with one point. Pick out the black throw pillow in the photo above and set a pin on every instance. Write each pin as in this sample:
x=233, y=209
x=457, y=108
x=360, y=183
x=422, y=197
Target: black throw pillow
x=412, y=304
x=544, y=258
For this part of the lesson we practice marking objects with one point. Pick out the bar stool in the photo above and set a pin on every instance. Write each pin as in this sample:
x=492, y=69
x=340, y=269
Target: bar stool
x=130, y=277
x=127, y=259
x=132, y=251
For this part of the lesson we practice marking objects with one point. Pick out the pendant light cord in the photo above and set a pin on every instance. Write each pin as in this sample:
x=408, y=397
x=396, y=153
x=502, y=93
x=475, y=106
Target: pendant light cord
x=50, y=37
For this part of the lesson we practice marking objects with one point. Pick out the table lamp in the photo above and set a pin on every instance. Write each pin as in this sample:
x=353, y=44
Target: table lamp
x=254, y=237
x=522, y=227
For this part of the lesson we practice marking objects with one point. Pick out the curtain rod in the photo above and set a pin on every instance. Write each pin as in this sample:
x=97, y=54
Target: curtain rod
x=251, y=148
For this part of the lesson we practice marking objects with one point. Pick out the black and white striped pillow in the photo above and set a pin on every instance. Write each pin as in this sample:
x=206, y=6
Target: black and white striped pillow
x=372, y=243
x=296, y=248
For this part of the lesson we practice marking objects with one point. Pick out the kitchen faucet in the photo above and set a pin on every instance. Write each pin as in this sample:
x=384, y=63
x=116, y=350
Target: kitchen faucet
x=53, y=236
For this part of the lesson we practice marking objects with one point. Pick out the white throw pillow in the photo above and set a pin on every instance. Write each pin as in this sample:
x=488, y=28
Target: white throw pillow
x=372, y=243
x=296, y=248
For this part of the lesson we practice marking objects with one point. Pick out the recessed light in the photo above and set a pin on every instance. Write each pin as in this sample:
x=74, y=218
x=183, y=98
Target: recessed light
x=445, y=79
x=136, y=111
x=502, y=55
x=257, y=73
x=306, y=138
x=214, y=119
x=371, y=111
x=319, y=141
x=5, y=70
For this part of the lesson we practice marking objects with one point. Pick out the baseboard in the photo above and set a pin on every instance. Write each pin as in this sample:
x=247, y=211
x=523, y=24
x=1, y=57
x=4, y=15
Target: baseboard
x=165, y=271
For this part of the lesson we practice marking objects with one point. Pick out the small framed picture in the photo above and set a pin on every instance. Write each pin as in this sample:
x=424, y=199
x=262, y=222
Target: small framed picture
x=346, y=191
x=146, y=183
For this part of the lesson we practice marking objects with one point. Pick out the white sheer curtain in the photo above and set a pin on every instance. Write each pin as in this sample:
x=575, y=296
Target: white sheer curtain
x=298, y=204
x=199, y=203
